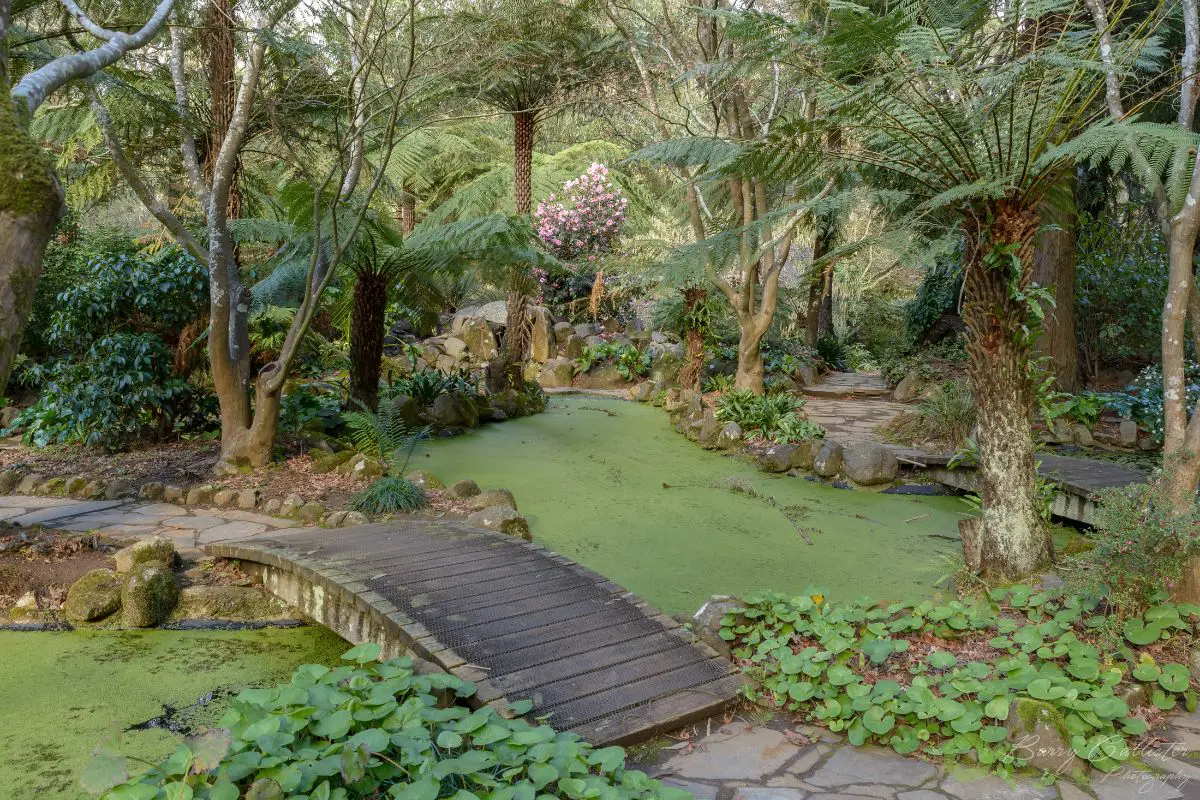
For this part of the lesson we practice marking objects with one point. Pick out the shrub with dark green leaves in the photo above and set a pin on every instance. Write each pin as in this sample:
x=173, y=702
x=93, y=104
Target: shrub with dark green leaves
x=375, y=730
x=776, y=417
x=942, y=679
x=632, y=362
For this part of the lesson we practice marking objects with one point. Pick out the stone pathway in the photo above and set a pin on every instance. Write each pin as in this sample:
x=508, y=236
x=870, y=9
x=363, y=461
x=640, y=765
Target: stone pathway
x=189, y=528
x=739, y=762
x=842, y=385
x=854, y=420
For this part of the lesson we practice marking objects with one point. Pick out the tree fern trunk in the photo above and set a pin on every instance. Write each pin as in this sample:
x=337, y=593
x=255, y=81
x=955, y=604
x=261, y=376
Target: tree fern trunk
x=693, y=338
x=366, y=337
x=1013, y=539
x=523, y=125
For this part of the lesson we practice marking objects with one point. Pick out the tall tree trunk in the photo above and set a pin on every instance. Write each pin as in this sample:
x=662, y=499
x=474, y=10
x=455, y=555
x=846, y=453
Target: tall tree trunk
x=523, y=125
x=366, y=336
x=218, y=45
x=818, y=318
x=1181, y=445
x=750, y=362
x=30, y=206
x=1054, y=268
x=1013, y=539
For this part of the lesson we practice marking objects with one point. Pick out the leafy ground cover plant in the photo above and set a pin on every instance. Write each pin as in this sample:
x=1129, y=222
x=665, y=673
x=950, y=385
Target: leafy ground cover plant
x=375, y=730
x=943, y=679
x=425, y=386
x=632, y=362
x=1142, y=400
x=777, y=417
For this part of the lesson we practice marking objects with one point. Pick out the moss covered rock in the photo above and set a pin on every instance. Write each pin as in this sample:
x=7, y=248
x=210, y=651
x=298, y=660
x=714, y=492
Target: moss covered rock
x=503, y=520
x=492, y=498
x=424, y=480
x=159, y=551
x=148, y=595
x=232, y=603
x=1039, y=734
x=96, y=595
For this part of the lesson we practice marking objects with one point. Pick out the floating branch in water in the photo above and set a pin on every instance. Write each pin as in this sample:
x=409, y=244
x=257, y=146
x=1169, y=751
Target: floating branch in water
x=736, y=484
x=601, y=410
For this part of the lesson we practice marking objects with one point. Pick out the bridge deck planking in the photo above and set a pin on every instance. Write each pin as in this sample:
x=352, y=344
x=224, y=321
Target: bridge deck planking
x=521, y=621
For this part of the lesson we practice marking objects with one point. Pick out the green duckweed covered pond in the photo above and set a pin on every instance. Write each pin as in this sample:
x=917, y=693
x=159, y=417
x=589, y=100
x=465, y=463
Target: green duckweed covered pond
x=62, y=694
x=589, y=475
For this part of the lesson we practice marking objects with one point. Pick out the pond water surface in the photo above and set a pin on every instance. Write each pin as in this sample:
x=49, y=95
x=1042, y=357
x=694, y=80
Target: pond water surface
x=591, y=475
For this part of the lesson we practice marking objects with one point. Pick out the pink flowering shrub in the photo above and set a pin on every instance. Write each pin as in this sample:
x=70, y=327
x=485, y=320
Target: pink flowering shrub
x=586, y=220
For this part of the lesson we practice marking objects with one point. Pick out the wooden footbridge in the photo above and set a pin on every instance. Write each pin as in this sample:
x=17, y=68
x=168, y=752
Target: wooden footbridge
x=520, y=621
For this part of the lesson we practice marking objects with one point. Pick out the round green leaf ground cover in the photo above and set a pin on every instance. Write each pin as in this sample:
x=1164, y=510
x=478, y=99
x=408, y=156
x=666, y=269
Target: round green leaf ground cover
x=376, y=730
x=944, y=678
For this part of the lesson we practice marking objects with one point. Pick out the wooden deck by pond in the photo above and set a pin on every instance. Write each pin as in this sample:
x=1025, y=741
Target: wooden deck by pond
x=520, y=621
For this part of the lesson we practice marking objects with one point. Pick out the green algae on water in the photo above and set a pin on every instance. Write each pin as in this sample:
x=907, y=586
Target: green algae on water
x=63, y=694
x=589, y=475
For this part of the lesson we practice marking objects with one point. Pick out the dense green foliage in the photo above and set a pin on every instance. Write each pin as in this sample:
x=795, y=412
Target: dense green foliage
x=368, y=730
x=632, y=362
x=1142, y=400
x=943, y=679
x=113, y=380
x=775, y=417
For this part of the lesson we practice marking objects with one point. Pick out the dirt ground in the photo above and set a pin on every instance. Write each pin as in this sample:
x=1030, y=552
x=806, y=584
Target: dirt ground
x=46, y=563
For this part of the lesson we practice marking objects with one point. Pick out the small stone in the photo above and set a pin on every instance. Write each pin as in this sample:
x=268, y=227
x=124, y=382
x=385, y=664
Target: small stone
x=115, y=490
x=706, y=622
x=1082, y=436
x=828, y=461
x=424, y=480
x=76, y=485
x=173, y=494
x=777, y=458
x=502, y=519
x=148, y=595
x=224, y=498
x=9, y=479
x=310, y=512
x=27, y=602
x=247, y=499
x=273, y=506
x=1127, y=433
x=335, y=519
x=30, y=483
x=463, y=489
x=152, y=491
x=573, y=348
x=354, y=518
x=908, y=388
x=159, y=551
x=558, y=373
x=492, y=498
x=200, y=495
x=93, y=490
x=363, y=468
x=96, y=595
x=730, y=436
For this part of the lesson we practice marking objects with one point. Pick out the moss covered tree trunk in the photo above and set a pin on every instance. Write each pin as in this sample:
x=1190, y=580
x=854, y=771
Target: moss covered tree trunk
x=366, y=337
x=30, y=205
x=693, y=339
x=1013, y=537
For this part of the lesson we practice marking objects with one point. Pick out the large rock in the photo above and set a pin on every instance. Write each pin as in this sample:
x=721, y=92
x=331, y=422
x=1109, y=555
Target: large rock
x=495, y=312
x=585, y=330
x=806, y=453
x=828, y=461
x=491, y=499
x=148, y=595
x=643, y=392
x=574, y=347
x=557, y=374
x=1127, y=433
x=1040, y=736
x=543, y=345
x=454, y=346
x=777, y=458
x=232, y=603
x=502, y=519
x=461, y=490
x=425, y=481
x=908, y=388
x=604, y=376
x=710, y=431
x=666, y=360
x=870, y=464
x=158, y=551
x=563, y=331
x=453, y=410
x=730, y=436
x=807, y=374
x=478, y=336
x=96, y=595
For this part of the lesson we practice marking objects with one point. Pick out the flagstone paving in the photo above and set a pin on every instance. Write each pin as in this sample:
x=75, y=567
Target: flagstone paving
x=740, y=762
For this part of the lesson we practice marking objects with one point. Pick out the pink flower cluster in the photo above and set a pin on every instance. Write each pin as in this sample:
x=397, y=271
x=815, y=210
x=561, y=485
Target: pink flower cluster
x=588, y=218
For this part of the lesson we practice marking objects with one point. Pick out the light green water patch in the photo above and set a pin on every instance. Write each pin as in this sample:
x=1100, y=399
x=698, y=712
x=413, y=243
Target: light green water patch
x=62, y=694
x=589, y=476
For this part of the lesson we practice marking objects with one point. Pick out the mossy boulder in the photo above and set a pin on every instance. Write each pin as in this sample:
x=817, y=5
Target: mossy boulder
x=232, y=603
x=148, y=596
x=1038, y=732
x=96, y=595
x=158, y=551
x=425, y=481
x=328, y=462
x=463, y=489
x=503, y=520
x=491, y=499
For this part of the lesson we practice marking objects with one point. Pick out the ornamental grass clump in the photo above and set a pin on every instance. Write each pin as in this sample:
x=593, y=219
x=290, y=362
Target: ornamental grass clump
x=375, y=730
x=944, y=679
